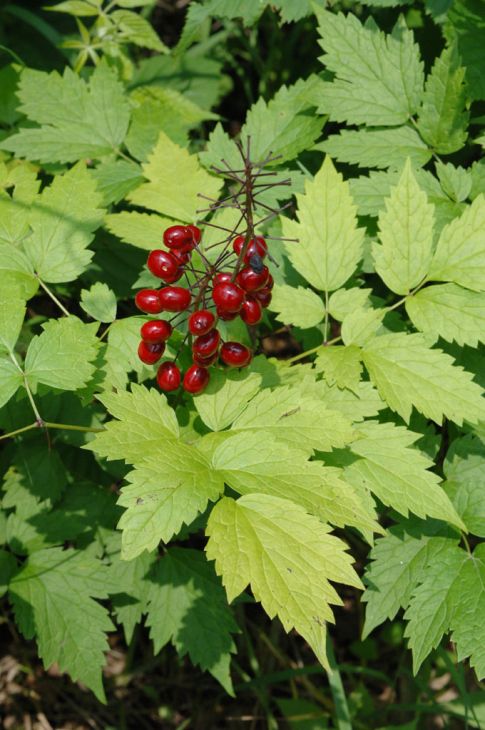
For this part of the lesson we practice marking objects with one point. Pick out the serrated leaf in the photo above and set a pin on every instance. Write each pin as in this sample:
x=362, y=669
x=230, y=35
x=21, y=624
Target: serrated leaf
x=340, y=365
x=379, y=78
x=116, y=178
x=12, y=313
x=449, y=311
x=467, y=499
x=442, y=119
x=460, y=253
x=465, y=460
x=78, y=120
x=397, y=474
x=99, y=302
x=16, y=271
x=188, y=607
x=52, y=597
x=297, y=306
x=121, y=355
x=8, y=567
x=10, y=380
x=35, y=470
x=63, y=222
x=143, y=230
x=174, y=180
x=360, y=326
x=344, y=301
x=465, y=26
x=62, y=356
x=130, y=598
x=145, y=423
x=330, y=244
x=398, y=561
x=225, y=397
x=134, y=28
x=79, y=8
x=380, y=148
x=406, y=235
x=456, y=182
x=408, y=373
x=287, y=557
x=164, y=492
x=364, y=403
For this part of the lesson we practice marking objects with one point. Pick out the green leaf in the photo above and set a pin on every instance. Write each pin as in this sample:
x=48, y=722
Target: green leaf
x=134, y=28
x=174, y=180
x=443, y=119
x=52, y=597
x=460, y=253
x=379, y=77
x=188, y=607
x=467, y=499
x=360, y=326
x=145, y=423
x=257, y=463
x=115, y=179
x=8, y=567
x=12, y=313
x=143, y=230
x=79, y=8
x=330, y=244
x=121, y=355
x=99, y=302
x=63, y=223
x=398, y=561
x=406, y=234
x=97, y=129
x=340, y=365
x=16, y=271
x=297, y=306
x=292, y=416
x=35, y=470
x=465, y=26
x=450, y=312
x=456, y=182
x=398, y=475
x=344, y=301
x=465, y=460
x=8, y=102
x=287, y=557
x=10, y=380
x=225, y=397
x=62, y=356
x=156, y=508
x=406, y=372
x=377, y=147
x=132, y=578
x=364, y=403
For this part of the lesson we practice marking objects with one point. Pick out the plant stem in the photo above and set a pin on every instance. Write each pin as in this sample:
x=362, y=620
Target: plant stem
x=17, y=431
x=325, y=335
x=48, y=424
x=53, y=297
x=342, y=714
x=312, y=351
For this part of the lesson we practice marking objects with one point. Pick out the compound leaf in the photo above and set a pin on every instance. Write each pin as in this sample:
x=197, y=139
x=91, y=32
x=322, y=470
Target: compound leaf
x=380, y=148
x=298, y=306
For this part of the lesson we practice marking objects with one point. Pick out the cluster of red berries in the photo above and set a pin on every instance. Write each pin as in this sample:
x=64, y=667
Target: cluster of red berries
x=244, y=294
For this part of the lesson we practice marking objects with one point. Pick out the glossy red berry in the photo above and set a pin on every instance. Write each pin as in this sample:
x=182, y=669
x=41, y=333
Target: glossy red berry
x=148, y=300
x=180, y=237
x=206, y=345
x=150, y=353
x=162, y=264
x=201, y=322
x=226, y=316
x=270, y=283
x=196, y=234
x=223, y=277
x=251, y=311
x=257, y=246
x=156, y=331
x=251, y=280
x=228, y=297
x=205, y=362
x=196, y=379
x=235, y=354
x=168, y=376
x=174, y=298
x=181, y=256
x=263, y=296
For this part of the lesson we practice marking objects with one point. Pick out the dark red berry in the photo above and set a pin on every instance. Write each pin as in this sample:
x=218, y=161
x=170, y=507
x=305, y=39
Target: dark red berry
x=257, y=246
x=263, y=296
x=226, y=316
x=251, y=280
x=206, y=345
x=168, y=376
x=196, y=379
x=251, y=311
x=196, y=234
x=235, y=354
x=205, y=362
x=158, y=330
x=201, y=322
x=148, y=300
x=180, y=237
x=223, y=277
x=150, y=353
x=228, y=297
x=162, y=264
x=270, y=283
x=174, y=298
x=181, y=256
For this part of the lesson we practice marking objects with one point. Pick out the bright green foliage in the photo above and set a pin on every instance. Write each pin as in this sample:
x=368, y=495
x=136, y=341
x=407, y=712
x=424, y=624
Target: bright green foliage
x=360, y=326
x=330, y=244
x=406, y=235
x=12, y=313
x=188, y=607
x=298, y=306
x=456, y=182
x=225, y=398
x=99, y=302
x=379, y=78
x=48, y=99
x=340, y=365
x=138, y=229
x=287, y=557
x=344, y=301
x=137, y=30
x=449, y=311
x=377, y=147
x=16, y=271
x=52, y=596
x=10, y=380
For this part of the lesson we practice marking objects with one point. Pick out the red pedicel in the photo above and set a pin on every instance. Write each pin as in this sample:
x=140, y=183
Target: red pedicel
x=235, y=354
x=156, y=331
x=196, y=379
x=168, y=376
x=201, y=322
x=150, y=353
x=228, y=297
x=174, y=298
x=148, y=300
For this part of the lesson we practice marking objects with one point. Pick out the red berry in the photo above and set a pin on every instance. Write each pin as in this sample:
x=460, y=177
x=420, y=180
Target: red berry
x=174, y=298
x=162, y=264
x=270, y=283
x=223, y=277
x=206, y=345
x=168, y=376
x=148, y=300
x=205, y=362
x=158, y=330
x=201, y=322
x=181, y=256
x=226, y=316
x=251, y=280
x=263, y=296
x=251, y=311
x=150, y=353
x=228, y=297
x=180, y=237
x=257, y=246
x=235, y=354
x=196, y=234
x=196, y=379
